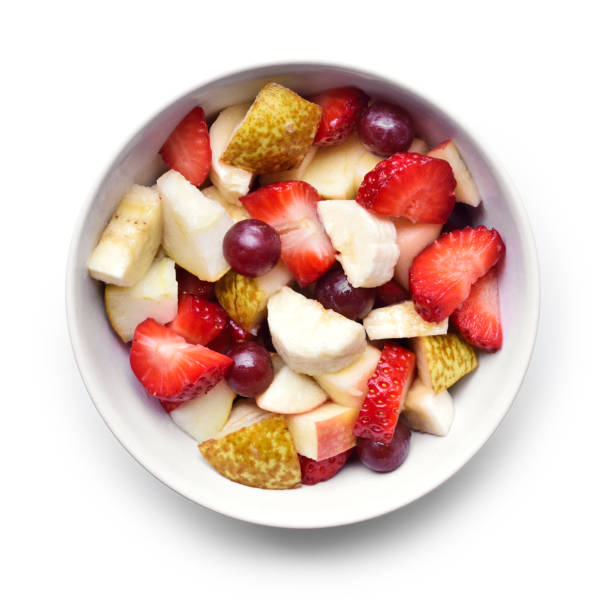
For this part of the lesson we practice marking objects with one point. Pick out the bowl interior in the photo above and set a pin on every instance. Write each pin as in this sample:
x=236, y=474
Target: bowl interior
x=481, y=399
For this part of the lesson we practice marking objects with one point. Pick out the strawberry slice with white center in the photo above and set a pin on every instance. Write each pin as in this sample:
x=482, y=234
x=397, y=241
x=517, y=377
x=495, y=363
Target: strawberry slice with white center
x=387, y=389
x=198, y=320
x=291, y=208
x=478, y=319
x=442, y=275
x=187, y=149
x=407, y=184
x=170, y=368
x=341, y=109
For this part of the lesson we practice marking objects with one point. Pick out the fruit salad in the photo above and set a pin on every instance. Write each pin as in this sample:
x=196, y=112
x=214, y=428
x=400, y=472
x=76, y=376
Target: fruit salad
x=303, y=285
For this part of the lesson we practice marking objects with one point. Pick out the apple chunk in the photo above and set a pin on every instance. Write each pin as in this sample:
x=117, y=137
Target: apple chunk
x=324, y=431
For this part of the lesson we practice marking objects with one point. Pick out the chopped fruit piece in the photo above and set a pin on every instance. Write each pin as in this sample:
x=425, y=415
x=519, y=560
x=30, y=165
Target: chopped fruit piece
x=341, y=110
x=466, y=190
x=366, y=243
x=254, y=449
x=309, y=338
x=276, y=132
x=387, y=389
x=290, y=392
x=252, y=372
x=204, y=416
x=349, y=386
x=390, y=293
x=386, y=129
x=129, y=242
x=410, y=185
x=419, y=146
x=400, y=321
x=412, y=238
x=236, y=211
x=190, y=284
x=232, y=182
x=252, y=247
x=291, y=208
x=245, y=298
x=316, y=471
x=442, y=360
x=291, y=174
x=155, y=296
x=194, y=227
x=337, y=171
x=232, y=334
x=442, y=275
x=334, y=291
x=381, y=457
x=478, y=319
x=187, y=149
x=323, y=432
x=171, y=369
x=198, y=320
x=428, y=412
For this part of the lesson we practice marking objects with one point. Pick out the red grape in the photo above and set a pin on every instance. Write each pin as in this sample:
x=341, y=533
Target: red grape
x=386, y=129
x=251, y=373
x=382, y=457
x=190, y=284
x=252, y=247
x=334, y=291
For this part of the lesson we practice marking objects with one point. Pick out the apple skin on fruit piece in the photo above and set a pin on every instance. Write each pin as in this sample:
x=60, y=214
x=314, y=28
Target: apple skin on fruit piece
x=428, y=412
x=419, y=146
x=400, y=321
x=130, y=240
x=204, y=416
x=323, y=432
x=349, y=386
x=154, y=296
x=276, y=132
x=236, y=212
x=443, y=359
x=245, y=299
x=255, y=449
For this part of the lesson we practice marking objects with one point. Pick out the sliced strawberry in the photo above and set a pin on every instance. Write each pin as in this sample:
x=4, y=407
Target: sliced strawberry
x=407, y=184
x=171, y=369
x=187, y=149
x=291, y=208
x=232, y=334
x=190, y=284
x=442, y=275
x=342, y=108
x=315, y=471
x=169, y=406
x=197, y=320
x=390, y=293
x=478, y=319
x=387, y=389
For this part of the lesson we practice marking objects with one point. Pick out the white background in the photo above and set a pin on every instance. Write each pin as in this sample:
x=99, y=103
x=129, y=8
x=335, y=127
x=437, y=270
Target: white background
x=528, y=517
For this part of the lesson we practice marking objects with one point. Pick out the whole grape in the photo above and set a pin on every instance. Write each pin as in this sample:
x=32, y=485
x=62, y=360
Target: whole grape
x=252, y=372
x=251, y=247
x=385, y=129
x=334, y=291
x=382, y=457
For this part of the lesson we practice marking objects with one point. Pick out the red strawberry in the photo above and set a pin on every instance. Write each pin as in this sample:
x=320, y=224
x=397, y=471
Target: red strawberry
x=442, y=275
x=387, y=389
x=169, y=406
x=190, y=284
x=315, y=471
x=407, y=184
x=232, y=334
x=390, y=293
x=187, y=149
x=478, y=318
x=197, y=320
x=291, y=208
x=342, y=108
x=171, y=369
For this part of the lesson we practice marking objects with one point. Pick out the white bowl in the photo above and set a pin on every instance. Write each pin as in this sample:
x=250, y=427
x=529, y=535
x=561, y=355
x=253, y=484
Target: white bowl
x=355, y=494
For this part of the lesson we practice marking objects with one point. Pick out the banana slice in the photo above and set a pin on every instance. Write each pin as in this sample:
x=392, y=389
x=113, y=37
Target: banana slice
x=129, y=242
x=400, y=321
x=231, y=181
x=309, y=338
x=366, y=242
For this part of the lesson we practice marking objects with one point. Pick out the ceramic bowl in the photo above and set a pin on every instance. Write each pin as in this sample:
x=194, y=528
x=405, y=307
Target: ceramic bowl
x=355, y=494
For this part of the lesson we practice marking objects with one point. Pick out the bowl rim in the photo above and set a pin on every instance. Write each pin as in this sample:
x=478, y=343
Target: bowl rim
x=532, y=275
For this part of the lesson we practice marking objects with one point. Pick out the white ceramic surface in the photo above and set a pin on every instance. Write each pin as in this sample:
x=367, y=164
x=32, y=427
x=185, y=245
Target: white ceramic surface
x=481, y=399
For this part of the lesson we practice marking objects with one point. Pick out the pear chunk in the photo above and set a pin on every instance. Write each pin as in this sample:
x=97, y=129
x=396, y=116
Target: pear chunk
x=400, y=321
x=428, y=412
x=235, y=211
x=255, y=448
x=443, y=359
x=276, y=132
